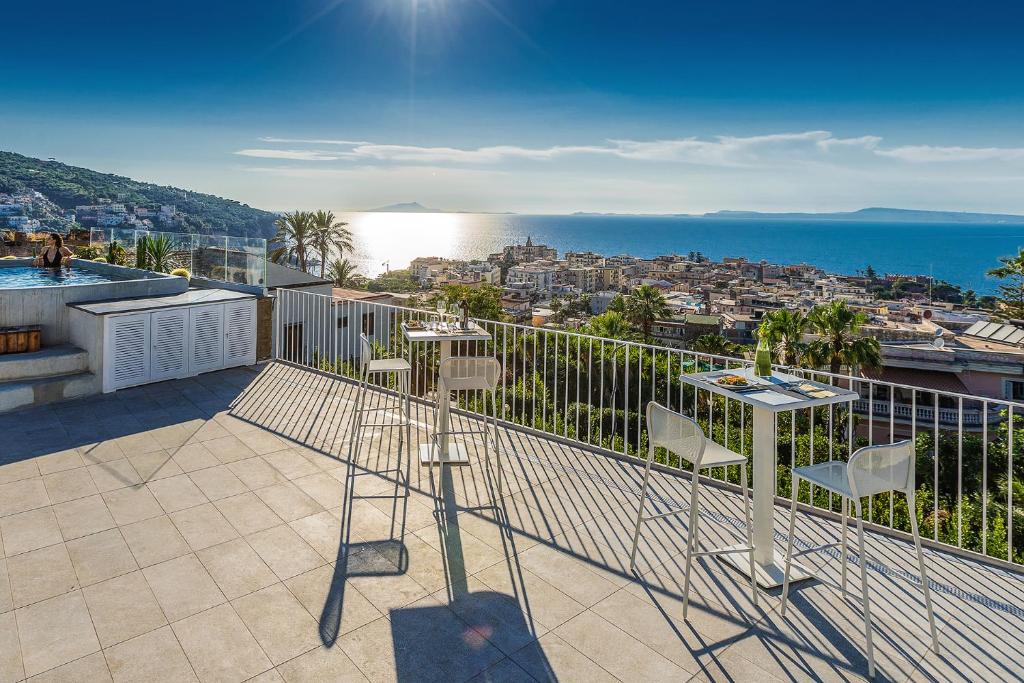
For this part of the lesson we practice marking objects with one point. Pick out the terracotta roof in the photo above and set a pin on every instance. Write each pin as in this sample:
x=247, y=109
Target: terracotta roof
x=358, y=294
x=934, y=380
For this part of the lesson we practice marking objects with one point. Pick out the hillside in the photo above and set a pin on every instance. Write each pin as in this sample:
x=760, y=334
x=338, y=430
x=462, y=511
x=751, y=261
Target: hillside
x=69, y=186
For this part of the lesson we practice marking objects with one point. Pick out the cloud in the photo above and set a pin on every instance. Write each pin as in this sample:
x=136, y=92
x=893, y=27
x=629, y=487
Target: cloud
x=922, y=154
x=292, y=154
x=307, y=141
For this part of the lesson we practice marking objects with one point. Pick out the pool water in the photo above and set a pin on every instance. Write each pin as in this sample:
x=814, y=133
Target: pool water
x=17, y=277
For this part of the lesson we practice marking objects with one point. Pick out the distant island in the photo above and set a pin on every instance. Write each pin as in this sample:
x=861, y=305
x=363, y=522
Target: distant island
x=405, y=207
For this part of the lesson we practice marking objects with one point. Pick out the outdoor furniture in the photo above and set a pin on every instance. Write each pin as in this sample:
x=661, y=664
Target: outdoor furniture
x=370, y=366
x=447, y=450
x=768, y=396
x=871, y=470
x=679, y=434
x=471, y=373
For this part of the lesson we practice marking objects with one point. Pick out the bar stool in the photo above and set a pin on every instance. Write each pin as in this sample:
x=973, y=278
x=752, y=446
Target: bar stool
x=370, y=366
x=469, y=373
x=679, y=434
x=871, y=470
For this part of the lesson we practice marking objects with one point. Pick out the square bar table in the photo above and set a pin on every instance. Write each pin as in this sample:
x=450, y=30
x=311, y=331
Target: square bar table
x=445, y=333
x=776, y=396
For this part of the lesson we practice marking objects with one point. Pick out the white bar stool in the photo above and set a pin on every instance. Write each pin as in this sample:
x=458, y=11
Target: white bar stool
x=679, y=434
x=370, y=366
x=470, y=373
x=870, y=471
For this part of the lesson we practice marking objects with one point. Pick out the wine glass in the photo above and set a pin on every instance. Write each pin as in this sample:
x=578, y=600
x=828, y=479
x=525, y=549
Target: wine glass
x=442, y=307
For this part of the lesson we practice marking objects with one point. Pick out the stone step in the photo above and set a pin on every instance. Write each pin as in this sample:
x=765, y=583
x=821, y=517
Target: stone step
x=47, y=362
x=41, y=390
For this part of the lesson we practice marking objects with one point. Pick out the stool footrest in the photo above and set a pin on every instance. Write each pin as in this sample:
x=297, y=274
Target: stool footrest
x=723, y=551
x=648, y=518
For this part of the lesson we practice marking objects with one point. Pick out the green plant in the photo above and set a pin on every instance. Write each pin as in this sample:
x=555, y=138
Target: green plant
x=116, y=254
x=159, y=250
x=839, y=342
x=88, y=252
x=100, y=259
x=142, y=252
x=182, y=272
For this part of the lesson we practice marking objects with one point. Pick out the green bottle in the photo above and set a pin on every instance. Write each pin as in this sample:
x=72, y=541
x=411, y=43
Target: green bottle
x=762, y=358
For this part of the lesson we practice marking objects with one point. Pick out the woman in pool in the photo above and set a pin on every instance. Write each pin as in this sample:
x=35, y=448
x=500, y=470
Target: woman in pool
x=55, y=254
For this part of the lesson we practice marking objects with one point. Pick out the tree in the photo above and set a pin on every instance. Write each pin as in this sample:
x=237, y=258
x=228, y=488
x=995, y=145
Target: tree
x=294, y=235
x=610, y=325
x=342, y=273
x=838, y=344
x=484, y=302
x=646, y=305
x=1011, y=292
x=870, y=273
x=783, y=329
x=329, y=235
x=716, y=345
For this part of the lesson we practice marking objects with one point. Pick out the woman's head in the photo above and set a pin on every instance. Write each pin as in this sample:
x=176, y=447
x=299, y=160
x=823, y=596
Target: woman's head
x=56, y=240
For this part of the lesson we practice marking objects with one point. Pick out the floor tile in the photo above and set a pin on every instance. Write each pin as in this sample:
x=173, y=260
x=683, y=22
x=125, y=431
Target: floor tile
x=217, y=482
x=247, y=513
x=183, y=587
x=288, y=501
x=552, y=659
x=69, y=484
x=291, y=464
x=154, y=465
x=18, y=470
x=11, y=668
x=55, y=631
x=114, y=474
x=82, y=517
x=19, y=496
x=6, y=600
x=284, y=551
x=101, y=556
x=322, y=532
x=262, y=442
x=176, y=493
x=122, y=608
x=256, y=473
x=29, y=530
x=91, y=668
x=629, y=659
x=59, y=461
x=323, y=488
x=194, y=456
x=219, y=646
x=332, y=600
x=209, y=431
x=202, y=526
x=321, y=664
x=154, y=656
x=132, y=504
x=154, y=540
x=41, y=574
x=228, y=449
x=104, y=451
x=236, y=568
x=282, y=626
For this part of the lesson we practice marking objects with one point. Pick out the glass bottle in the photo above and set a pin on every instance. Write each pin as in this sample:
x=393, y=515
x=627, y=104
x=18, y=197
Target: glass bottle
x=762, y=358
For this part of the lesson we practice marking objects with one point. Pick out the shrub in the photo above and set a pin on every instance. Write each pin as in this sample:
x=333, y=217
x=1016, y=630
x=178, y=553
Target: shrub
x=88, y=252
x=182, y=272
x=100, y=259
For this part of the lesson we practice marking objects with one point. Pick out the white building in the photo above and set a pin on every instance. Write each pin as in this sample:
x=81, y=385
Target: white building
x=540, y=276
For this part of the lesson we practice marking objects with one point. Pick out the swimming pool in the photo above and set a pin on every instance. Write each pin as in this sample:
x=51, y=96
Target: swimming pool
x=18, y=277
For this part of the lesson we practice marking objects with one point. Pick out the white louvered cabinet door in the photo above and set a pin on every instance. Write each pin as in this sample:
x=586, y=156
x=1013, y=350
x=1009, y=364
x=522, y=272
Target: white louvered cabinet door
x=206, y=338
x=169, y=344
x=239, y=333
x=126, y=353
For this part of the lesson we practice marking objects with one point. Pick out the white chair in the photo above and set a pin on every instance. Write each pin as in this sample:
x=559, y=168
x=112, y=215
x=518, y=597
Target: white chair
x=373, y=367
x=870, y=471
x=469, y=373
x=679, y=434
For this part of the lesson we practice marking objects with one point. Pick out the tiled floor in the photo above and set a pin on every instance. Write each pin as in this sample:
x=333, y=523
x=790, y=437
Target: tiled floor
x=214, y=529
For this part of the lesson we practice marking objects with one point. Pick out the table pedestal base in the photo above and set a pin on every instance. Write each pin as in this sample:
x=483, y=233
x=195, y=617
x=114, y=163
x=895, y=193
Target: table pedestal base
x=768, y=576
x=457, y=455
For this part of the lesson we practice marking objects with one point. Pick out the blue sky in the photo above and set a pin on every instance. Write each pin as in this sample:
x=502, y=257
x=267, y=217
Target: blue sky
x=531, y=105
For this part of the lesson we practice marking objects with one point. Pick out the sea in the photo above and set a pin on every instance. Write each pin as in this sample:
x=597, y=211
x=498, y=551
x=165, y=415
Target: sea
x=959, y=253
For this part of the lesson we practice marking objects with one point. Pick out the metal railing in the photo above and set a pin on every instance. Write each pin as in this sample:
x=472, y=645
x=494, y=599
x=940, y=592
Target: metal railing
x=593, y=391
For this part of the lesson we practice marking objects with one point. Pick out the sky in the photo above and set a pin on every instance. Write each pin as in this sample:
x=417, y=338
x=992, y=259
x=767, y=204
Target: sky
x=531, y=106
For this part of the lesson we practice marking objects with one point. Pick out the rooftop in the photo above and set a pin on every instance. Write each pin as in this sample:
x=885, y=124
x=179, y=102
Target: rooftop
x=215, y=528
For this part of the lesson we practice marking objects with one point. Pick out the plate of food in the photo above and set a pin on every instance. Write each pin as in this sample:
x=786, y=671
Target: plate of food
x=415, y=325
x=732, y=381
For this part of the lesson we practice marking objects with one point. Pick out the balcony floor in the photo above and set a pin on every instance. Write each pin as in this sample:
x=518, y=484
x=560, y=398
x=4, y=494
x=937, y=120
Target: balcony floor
x=213, y=529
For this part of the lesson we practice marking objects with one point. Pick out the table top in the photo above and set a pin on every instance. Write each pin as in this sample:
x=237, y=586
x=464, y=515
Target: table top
x=780, y=392
x=475, y=333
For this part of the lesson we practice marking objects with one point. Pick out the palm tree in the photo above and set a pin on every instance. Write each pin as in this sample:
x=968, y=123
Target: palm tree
x=329, y=235
x=294, y=234
x=646, y=305
x=610, y=325
x=838, y=344
x=342, y=273
x=784, y=331
x=159, y=250
x=715, y=345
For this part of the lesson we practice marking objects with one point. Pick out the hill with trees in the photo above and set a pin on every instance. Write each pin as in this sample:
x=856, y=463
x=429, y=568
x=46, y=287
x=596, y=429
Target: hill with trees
x=70, y=186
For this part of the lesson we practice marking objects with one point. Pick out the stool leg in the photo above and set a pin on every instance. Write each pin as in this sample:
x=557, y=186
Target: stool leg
x=864, y=590
x=497, y=442
x=691, y=542
x=640, y=510
x=912, y=508
x=750, y=532
x=789, y=543
x=842, y=552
